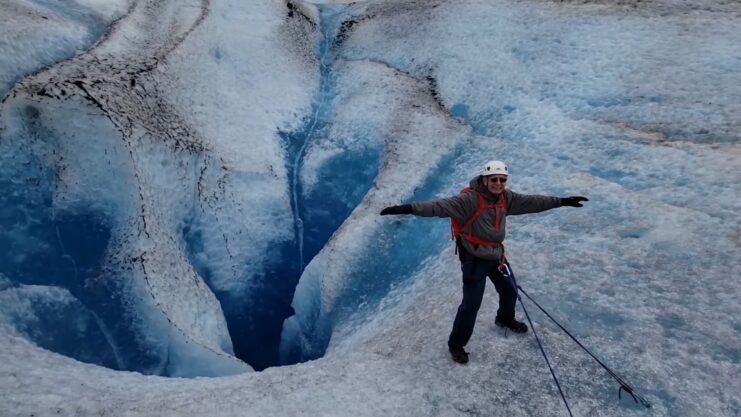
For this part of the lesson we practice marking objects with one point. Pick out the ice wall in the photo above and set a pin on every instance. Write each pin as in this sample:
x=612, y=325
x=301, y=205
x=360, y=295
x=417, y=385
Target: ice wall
x=259, y=67
x=134, y=189
x=58, y=321
x=387, y=125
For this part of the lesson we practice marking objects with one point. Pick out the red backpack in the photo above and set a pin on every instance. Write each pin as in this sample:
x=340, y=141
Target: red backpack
x=458, y=230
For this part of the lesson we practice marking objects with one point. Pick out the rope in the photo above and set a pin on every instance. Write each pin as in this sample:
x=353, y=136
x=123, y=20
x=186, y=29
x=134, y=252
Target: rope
x=560, y=391
x=507, y=273
x=623, y=385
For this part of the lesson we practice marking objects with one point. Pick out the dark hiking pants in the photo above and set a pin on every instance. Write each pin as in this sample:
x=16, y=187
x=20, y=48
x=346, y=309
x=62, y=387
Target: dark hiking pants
x=475, y=270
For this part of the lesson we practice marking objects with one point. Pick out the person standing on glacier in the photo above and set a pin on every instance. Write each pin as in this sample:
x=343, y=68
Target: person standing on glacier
x=478, y=215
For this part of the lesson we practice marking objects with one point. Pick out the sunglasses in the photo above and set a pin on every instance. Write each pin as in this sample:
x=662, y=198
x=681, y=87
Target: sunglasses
x=497, y=179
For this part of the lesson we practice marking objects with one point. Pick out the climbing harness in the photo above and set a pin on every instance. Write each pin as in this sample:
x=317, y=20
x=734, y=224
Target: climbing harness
x=464, y=231
x=507, y=273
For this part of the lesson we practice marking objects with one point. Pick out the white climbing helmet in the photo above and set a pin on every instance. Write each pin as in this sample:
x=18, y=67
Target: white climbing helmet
x=495, y=167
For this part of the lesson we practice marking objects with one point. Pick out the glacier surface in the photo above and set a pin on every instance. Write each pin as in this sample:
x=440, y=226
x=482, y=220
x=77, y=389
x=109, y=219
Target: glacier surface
x=191, y=189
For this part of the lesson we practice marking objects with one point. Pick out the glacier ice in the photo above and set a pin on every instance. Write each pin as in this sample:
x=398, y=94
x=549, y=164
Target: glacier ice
x=203, y=153
x=54, y=319
x=105, y=149
x=40, y=33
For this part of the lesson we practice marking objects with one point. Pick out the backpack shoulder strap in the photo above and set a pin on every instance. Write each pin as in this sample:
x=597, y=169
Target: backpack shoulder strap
x=476, y=214
x=502, y=203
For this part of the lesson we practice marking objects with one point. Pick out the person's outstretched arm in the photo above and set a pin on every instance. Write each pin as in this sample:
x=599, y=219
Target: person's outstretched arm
x=523, y=204
x=460, y=207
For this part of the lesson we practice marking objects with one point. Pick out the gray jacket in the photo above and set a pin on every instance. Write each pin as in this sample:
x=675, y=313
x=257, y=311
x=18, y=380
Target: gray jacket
x=461, y=207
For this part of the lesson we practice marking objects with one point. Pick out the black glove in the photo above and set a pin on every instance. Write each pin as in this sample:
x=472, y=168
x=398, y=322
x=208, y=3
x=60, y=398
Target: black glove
x=573, y=201
x=403, y=209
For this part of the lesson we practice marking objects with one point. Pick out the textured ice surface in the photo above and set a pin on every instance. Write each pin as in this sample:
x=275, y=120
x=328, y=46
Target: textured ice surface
x=115, y=140
x=38, y=33
x=634, y=105
x=54, y=319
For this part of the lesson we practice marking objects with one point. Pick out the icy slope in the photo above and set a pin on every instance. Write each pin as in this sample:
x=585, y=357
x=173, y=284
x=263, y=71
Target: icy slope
x=568, y=111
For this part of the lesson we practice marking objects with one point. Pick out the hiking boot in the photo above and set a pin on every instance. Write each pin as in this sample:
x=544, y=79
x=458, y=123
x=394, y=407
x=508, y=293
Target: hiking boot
x=459, y=355
x=514, y=325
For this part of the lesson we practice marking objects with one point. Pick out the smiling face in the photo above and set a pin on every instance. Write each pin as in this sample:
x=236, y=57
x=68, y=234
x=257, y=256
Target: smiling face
x=495, y=183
